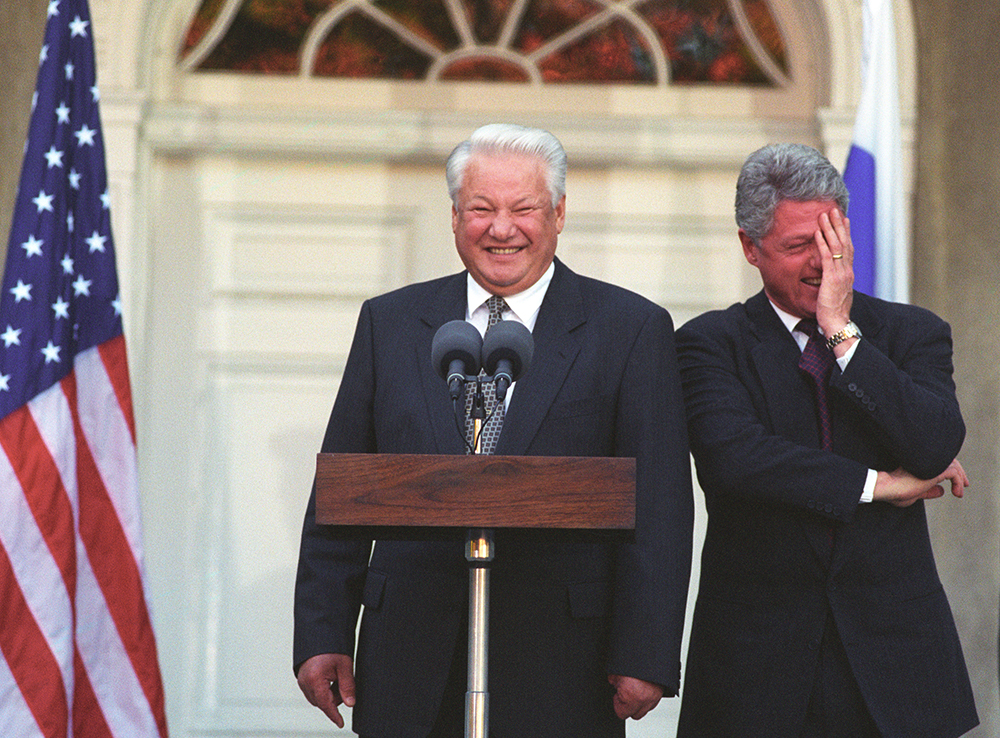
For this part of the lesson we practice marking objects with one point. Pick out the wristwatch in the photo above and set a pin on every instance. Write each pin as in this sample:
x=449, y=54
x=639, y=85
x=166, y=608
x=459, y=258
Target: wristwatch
x=848, y=331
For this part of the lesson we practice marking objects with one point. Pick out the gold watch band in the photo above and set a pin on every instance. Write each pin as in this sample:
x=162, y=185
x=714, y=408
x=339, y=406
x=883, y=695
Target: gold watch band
x=848, y=331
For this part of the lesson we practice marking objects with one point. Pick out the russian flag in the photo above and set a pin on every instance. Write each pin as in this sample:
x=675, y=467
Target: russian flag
x=874, y=170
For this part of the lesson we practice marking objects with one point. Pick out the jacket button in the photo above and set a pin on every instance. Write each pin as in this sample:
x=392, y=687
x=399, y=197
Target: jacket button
x=852, y=386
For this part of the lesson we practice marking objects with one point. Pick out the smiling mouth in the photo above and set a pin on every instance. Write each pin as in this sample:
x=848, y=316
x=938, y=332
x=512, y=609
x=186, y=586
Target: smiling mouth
x=505, y=251
x=814, y=282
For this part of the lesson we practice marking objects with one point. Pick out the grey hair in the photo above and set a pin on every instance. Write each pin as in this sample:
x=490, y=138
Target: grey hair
x=783, y=171
x=508, y=138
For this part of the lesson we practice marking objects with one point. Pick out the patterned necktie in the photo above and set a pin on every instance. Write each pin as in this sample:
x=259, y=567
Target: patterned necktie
x=490, y=430
x=817, y=361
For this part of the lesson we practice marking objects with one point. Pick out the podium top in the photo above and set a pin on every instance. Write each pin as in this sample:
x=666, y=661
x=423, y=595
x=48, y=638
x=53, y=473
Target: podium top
x=475, y=491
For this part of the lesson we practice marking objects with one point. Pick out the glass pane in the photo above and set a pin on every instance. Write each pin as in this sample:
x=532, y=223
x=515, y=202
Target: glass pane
x=484, y=69
x=545, y=19
x=265, y=36
x=203, y=19
x=428, y=19
x=359, y=47
x=767, y=31
x=487, y=18
x=703, y=42
x=614, y=53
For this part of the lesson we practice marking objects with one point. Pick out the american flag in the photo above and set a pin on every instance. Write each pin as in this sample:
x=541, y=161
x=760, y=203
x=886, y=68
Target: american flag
x=76, y=639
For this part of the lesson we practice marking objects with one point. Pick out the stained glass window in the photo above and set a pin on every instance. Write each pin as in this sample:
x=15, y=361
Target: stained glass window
x=540, y=41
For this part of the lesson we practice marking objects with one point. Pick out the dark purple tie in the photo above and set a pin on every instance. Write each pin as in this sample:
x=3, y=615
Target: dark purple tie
x=817, y=361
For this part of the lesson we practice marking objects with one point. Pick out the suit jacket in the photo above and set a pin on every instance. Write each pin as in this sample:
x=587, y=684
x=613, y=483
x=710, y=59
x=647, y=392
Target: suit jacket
x=768, y=580
x=566, y=609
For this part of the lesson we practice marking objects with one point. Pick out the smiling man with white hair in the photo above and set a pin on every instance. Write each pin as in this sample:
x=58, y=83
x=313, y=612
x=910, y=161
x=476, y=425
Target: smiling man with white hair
x=585, y=628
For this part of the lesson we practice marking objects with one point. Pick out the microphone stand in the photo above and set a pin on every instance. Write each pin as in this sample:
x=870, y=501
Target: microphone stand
x=479, y=555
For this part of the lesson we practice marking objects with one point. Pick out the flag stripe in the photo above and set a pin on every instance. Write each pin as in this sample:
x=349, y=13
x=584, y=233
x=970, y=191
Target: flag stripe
x=88, y=719
x=105, y=430
x=38, y=478
x=38, y=644
x=15, y=717
x=118, y=696
x=115, y=569
x=116, y=369
x=859, y=175
x=29, y=658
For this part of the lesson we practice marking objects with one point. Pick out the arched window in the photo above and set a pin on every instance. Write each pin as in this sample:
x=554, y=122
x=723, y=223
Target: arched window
x=643, y=42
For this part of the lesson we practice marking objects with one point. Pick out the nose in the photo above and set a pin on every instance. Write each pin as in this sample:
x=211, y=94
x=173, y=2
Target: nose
x=815, y=260
x=502, y=226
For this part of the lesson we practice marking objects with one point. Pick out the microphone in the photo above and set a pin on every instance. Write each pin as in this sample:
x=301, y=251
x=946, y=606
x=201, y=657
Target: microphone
x=455, y=353
x=507, y=351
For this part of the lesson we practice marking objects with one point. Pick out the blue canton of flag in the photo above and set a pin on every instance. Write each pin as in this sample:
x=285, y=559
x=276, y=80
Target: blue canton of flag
x=60, y=288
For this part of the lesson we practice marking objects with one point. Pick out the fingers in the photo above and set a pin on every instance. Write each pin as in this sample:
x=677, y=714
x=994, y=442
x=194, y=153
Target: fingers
x=327, y=680
x=833, y=241
x=840, y=242
x=634, y=698
x=345, y=683
x=902, y=489
x=327, y=700
x=955, y=473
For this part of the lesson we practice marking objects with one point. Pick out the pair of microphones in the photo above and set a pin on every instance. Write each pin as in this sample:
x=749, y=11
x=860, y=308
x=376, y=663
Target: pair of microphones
x=458, y=352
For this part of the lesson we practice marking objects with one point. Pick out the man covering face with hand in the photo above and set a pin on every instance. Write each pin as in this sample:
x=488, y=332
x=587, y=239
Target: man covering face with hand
x=820, y=420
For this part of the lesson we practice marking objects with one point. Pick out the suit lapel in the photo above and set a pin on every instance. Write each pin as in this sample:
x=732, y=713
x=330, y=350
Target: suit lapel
x=788, y=395
x=558, y=339
x=776, y=360
x=446, y=303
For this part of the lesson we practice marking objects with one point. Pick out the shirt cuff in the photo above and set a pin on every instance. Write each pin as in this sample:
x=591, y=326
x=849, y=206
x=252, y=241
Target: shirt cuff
x=869, y=491
x=843, y=360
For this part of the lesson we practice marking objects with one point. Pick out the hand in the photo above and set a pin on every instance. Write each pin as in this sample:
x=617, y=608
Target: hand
x=326, y=680
x=833, y=305
x=902, y=489
x=634, y=697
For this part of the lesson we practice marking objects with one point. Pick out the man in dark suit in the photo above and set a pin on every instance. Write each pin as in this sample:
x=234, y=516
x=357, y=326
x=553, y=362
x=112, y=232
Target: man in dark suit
x=585, y=630
x=819, y=611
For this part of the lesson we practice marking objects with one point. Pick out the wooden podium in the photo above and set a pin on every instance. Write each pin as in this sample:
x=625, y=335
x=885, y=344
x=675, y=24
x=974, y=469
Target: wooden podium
x=478, y=493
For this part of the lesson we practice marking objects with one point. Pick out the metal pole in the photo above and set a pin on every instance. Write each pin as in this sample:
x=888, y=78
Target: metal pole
x=479, y=554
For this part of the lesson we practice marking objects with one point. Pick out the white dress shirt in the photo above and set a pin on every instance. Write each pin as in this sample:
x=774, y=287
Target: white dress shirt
x=522, y=307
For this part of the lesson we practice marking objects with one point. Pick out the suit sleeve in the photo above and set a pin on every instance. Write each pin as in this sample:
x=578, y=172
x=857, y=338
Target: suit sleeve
x=331, y=569
x=653, y=571
x=911, y=408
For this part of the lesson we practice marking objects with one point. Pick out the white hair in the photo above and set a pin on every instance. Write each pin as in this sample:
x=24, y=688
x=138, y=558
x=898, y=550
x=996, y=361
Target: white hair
x=508, y=138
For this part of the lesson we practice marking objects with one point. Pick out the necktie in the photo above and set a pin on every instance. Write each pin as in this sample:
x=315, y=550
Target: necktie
x=817, y=361
x=490, y=430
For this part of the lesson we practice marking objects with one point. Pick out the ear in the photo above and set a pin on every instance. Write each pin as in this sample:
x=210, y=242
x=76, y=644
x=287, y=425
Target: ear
x=454, y=219
x=750, y=250
x=560, y=214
